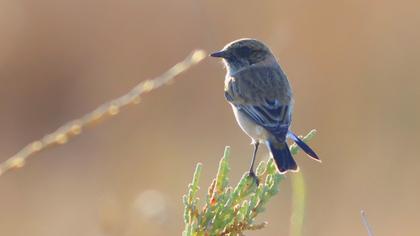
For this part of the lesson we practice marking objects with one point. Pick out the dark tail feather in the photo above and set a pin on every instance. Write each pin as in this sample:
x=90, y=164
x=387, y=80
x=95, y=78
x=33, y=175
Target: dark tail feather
x=282, y=156
x=303, y=146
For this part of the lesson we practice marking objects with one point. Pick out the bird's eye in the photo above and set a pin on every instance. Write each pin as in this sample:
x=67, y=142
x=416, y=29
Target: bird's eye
x=244, y=51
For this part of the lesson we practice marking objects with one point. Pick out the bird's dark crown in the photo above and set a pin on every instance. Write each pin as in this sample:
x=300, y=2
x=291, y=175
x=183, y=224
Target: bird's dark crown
x=251, y=44
x=243, y=52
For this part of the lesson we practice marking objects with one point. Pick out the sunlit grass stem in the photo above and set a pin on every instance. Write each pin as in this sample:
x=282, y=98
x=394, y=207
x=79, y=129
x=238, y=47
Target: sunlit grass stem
x=109, y=109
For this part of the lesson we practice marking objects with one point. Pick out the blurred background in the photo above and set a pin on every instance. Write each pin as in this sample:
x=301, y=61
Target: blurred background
x=353, y=66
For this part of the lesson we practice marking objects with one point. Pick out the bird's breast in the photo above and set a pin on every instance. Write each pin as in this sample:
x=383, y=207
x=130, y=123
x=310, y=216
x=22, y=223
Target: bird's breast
x=228, y=80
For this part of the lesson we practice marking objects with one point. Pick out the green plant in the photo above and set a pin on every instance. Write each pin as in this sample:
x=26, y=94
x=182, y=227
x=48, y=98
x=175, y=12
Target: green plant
x=232, y=210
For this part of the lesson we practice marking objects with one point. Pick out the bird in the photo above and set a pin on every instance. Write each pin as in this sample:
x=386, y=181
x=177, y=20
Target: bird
x=262, y=101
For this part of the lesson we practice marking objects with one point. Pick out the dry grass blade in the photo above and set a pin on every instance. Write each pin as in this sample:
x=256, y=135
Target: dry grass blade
x=366, y=223
x=73, y=128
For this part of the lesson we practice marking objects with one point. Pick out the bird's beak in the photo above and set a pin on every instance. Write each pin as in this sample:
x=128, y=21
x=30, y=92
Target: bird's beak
x=221, y=54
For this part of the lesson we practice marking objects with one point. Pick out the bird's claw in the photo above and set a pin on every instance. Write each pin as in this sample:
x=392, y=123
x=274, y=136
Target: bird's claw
x=252, y=175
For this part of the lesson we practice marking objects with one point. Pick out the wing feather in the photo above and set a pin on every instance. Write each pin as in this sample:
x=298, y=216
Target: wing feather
x=264, y=95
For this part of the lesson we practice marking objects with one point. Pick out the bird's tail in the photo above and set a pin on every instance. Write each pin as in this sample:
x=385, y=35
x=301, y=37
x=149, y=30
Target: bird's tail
x=303, y=146
x=282, y=157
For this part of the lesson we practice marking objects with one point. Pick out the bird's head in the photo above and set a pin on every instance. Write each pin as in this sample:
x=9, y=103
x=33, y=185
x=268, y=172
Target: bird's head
x=244, y=52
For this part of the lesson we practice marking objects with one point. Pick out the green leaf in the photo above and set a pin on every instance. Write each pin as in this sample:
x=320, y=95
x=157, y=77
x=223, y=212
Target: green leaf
x=231, y=210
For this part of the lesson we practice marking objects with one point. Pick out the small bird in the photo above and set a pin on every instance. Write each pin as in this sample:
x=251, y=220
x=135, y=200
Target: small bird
x=262, y=100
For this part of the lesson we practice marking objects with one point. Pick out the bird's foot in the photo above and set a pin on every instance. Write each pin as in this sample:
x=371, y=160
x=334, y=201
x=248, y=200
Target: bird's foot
x=254, y=177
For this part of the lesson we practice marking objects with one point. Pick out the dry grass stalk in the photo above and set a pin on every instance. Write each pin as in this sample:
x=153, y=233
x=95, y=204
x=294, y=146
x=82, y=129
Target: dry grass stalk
x=75, y=127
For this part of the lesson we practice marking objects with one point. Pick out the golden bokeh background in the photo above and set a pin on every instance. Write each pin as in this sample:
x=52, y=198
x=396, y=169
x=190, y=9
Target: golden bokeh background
x=353, y=66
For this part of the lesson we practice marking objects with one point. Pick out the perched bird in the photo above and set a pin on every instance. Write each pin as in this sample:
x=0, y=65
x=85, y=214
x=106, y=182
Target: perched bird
x=261, y=99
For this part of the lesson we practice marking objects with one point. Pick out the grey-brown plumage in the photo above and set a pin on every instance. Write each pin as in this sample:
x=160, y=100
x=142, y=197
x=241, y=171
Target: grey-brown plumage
x=261, y=99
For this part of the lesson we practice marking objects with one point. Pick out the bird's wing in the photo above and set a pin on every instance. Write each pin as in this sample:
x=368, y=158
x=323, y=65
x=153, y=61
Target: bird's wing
x=264, y=95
